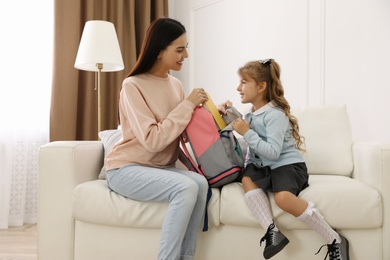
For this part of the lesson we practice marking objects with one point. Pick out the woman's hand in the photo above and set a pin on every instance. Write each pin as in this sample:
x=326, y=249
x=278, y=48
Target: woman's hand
x=222, y=107
x=240, y=126
x=198, y=96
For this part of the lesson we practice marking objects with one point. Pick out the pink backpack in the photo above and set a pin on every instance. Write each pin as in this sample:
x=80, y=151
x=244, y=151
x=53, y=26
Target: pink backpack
x=217, y=152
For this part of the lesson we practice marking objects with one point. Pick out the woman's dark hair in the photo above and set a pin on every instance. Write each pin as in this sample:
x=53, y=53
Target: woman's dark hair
x=161, y=33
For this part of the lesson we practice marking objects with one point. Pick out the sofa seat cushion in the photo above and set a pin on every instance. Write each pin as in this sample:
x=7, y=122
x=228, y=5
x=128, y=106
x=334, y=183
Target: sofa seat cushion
x=349, y=204
x=95, y=203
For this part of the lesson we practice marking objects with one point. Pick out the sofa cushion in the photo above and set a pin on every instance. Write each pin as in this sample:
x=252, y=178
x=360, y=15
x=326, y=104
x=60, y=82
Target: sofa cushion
x=109, y=138
x=95, y=203
x=349, y=204
x=328, y=139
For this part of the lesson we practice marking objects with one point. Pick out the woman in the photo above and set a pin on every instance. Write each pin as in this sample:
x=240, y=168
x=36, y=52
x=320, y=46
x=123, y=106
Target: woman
x=153, y=114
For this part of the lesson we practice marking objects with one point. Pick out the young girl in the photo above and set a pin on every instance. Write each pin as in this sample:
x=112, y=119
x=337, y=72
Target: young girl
x=274, y=162
x=153, y=114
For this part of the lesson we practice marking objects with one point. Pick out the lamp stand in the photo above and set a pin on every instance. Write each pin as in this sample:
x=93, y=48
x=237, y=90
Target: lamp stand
x=99, y=66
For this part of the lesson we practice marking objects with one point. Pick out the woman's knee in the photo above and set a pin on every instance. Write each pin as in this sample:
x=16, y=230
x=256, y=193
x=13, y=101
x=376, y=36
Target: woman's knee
x=203, y=187
x=201, y=182
x=197, y=187
x=189, y=186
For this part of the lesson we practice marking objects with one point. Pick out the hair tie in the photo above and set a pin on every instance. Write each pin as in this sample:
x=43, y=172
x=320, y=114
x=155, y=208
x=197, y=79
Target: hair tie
x=266, y=61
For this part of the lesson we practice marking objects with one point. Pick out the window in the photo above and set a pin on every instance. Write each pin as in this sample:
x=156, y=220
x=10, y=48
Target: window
x=26, y=29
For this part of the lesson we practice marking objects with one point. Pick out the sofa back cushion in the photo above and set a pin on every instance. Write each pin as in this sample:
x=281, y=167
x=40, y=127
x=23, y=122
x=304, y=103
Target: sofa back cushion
x=328, y=139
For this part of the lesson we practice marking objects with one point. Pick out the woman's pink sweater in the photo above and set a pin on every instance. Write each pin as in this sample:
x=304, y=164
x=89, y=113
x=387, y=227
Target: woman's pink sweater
x=153, y=113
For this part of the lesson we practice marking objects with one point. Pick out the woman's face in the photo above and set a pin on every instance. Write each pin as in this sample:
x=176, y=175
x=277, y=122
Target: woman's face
x=173, y=55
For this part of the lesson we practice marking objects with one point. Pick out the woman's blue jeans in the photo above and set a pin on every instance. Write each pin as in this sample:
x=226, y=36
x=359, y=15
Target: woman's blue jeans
x=186, y=193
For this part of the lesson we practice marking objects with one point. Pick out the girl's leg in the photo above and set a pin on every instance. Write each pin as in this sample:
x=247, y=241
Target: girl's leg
x=313, y=218
x=160, y=185
x=338, y=246
x=258, y=203
x=306, y=213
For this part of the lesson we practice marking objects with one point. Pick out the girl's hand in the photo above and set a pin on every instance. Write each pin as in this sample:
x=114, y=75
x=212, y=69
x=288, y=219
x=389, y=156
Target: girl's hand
x=240, y=126
x=198, y=96
x=222, y=107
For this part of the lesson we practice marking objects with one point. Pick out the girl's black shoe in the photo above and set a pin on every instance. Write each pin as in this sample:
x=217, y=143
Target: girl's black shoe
x=337, y=251
x=275, y=241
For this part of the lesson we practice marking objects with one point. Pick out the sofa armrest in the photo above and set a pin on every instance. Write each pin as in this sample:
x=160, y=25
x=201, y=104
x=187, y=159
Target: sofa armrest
x=372, y=166
x=62, y=166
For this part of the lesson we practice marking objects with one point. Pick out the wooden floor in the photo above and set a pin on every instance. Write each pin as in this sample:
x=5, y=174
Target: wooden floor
x=19, y=243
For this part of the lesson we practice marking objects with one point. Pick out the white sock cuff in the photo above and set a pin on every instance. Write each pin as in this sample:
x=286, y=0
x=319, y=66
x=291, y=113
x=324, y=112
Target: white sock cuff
x=253, y=192
x=309, y=211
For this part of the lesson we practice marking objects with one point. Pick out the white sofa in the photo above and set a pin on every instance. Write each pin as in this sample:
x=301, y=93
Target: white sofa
x=81, y=219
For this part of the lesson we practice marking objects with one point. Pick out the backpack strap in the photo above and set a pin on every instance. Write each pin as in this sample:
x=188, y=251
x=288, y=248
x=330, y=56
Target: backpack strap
x=186, y=159
x=206, y=217
x=214, y=111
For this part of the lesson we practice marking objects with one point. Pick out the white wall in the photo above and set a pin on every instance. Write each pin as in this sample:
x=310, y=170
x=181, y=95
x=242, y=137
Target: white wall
x=331, y=52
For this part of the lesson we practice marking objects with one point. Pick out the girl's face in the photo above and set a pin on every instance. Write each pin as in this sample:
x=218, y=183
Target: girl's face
x=173, y=55
x=251, y=92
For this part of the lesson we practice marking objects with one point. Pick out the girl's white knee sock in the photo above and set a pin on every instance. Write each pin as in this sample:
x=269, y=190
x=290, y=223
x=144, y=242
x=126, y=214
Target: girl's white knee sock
x=313, y=218
x=258, y=203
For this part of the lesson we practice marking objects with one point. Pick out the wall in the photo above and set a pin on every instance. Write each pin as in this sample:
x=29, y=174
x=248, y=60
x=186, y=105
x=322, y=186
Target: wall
x=331, y=52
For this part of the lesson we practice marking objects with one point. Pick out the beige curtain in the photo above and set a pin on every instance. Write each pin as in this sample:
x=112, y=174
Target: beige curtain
x=73, y=114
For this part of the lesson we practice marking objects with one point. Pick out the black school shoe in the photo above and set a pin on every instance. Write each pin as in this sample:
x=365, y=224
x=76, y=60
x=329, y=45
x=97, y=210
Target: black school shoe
x=337, y=251
x=275, y=241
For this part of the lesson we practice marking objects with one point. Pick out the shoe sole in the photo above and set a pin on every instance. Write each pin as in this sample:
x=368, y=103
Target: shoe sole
x=347, y=246
x=276, y=249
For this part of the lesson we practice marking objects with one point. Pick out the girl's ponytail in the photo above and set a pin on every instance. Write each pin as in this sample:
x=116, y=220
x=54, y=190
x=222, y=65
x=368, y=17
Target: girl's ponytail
x=276, y=93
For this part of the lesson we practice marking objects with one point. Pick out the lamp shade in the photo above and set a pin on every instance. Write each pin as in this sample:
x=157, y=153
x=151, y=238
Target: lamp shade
x=99, y=44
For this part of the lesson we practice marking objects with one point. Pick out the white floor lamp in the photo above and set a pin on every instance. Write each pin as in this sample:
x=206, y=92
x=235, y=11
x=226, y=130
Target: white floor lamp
x=99, y=51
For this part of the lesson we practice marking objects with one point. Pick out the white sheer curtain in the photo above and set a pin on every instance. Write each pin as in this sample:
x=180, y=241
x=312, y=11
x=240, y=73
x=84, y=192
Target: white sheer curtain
x=26, y=29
